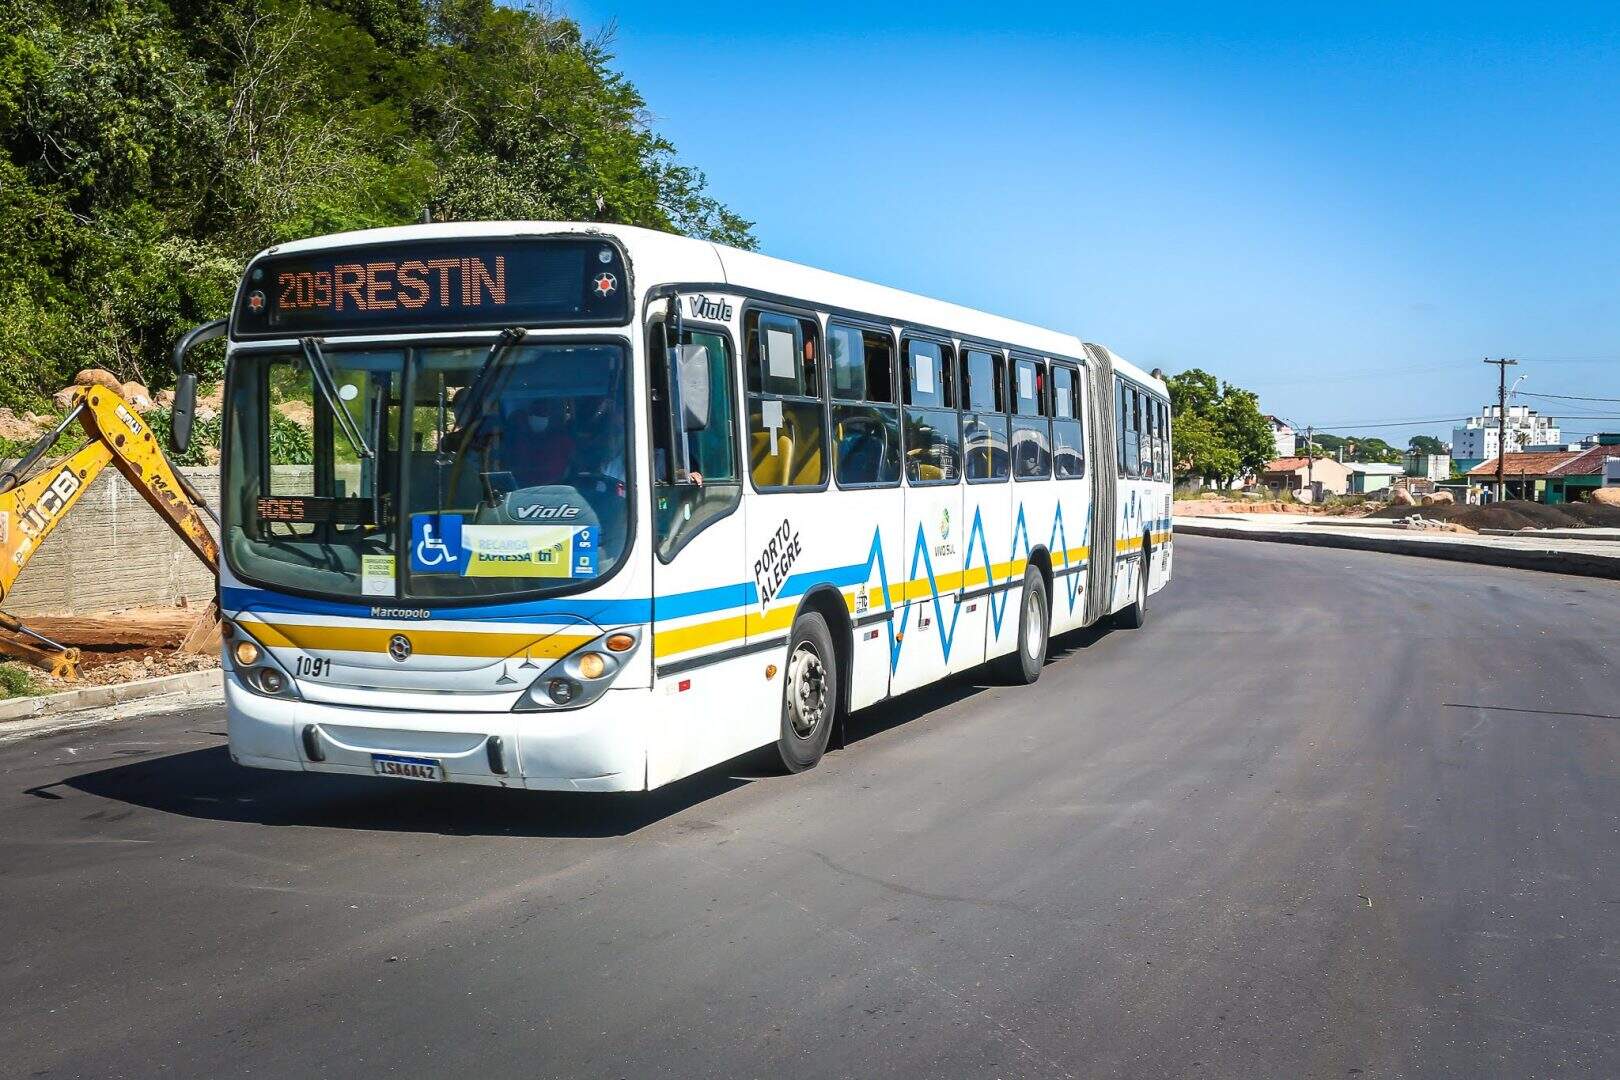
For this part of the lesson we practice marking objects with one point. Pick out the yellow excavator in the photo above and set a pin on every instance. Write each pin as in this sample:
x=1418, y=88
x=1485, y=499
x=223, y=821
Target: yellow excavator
x=34, y=499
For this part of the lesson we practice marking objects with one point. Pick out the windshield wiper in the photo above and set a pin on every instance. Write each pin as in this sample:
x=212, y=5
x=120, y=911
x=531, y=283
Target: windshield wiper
x=470, y=405
x=321, y=374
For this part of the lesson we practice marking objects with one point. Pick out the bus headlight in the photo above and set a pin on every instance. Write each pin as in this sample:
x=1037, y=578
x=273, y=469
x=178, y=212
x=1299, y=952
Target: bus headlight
x=582, y=676
x=256, y=668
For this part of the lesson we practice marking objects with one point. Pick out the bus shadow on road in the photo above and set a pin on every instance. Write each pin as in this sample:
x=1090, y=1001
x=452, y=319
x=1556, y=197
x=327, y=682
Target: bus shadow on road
x=207, y=785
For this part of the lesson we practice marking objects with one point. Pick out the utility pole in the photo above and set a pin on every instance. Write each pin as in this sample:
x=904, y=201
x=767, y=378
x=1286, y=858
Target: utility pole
x=1501, y=424
x=1310, y=458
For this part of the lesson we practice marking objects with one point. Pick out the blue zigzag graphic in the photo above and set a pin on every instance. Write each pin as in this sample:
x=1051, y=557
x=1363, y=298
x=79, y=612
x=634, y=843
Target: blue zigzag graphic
x=919, y=555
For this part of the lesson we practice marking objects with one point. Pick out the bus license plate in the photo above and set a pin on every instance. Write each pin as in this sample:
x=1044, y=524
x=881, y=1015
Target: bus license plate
x=407, y=768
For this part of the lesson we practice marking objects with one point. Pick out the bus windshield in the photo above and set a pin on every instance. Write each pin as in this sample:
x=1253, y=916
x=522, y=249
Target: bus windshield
x=522, y=491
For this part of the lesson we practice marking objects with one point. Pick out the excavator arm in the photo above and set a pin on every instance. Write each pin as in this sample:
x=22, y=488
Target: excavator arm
x=31, y=506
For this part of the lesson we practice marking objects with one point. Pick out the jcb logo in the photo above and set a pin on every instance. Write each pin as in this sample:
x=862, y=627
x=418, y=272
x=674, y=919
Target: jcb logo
x=38, y=517
x=129, y=420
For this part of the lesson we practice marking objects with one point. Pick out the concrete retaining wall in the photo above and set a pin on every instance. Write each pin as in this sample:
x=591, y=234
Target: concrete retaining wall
x=113, y=551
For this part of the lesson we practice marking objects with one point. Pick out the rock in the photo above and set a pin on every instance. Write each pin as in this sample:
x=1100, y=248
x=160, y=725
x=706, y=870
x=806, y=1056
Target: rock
x=1401, y=497
x=98, y=377
x=1606, y=496
x=63, y=398
x=137, y=395
x=1439, y=498
x=211, y=403
x=16, y=428
x=301, y=413
x=165, y=399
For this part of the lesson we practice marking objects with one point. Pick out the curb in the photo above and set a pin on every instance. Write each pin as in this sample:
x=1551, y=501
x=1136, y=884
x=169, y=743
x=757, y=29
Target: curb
x=1551, y=534
x=99, y=697
x=1549, y=561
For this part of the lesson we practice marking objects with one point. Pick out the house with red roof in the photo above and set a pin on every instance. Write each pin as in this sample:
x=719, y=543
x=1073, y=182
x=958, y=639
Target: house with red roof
x=1576, y=478
x=1551, y=477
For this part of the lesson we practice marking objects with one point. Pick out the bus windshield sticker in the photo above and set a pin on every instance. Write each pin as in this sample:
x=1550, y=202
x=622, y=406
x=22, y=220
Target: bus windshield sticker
x=774, y=564
x=779, y=350
x=544, y=551
x=376, y=575
x=1026, y=382
x=436, y=544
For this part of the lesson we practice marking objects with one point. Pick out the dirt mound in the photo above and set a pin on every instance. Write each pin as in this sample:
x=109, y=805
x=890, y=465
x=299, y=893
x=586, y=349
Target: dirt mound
x=136, y=644
x=1594, y=515
x=1517, y=514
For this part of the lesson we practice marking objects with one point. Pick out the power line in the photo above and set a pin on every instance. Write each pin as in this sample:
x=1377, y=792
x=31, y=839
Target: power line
x=1566, y=397
x=1391, y=423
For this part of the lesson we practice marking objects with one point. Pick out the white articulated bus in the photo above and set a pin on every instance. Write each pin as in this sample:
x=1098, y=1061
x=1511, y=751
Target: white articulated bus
x=592, y=507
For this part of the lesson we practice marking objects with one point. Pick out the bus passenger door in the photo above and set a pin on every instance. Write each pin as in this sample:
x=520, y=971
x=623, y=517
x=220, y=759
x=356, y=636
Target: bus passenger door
x=929, y=573
x=699, y=572
x=995, y=545
x=1071, y=528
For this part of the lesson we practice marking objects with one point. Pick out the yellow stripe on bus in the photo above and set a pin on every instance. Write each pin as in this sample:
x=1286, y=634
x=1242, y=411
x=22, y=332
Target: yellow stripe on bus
x=313, y=638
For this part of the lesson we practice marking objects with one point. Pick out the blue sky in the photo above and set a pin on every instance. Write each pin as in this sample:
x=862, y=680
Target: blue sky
x=1343, y=212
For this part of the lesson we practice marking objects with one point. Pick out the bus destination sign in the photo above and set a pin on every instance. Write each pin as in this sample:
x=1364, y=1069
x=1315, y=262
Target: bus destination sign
x=435, y=285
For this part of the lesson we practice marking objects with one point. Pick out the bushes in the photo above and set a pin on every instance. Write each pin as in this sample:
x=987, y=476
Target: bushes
x=17, y=681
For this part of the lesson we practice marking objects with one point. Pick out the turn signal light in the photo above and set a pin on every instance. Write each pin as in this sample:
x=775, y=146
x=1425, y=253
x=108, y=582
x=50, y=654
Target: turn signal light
x=592, y=665
x=246, y=652
x=620, y=642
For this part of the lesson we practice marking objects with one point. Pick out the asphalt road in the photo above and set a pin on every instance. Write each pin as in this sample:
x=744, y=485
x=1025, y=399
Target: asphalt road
x=1329, y=814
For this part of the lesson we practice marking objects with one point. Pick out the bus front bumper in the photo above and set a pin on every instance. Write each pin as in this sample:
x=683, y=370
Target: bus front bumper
x=601, y=747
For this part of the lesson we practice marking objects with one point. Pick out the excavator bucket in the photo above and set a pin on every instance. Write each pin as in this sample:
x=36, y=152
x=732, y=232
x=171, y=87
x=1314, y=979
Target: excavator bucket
x=204, y=636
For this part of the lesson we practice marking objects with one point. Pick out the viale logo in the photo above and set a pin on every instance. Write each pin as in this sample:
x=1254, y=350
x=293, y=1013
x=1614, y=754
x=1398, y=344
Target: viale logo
x=714, y=310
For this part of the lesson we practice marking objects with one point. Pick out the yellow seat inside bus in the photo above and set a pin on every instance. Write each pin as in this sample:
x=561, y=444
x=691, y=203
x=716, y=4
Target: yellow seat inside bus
x=793, y=459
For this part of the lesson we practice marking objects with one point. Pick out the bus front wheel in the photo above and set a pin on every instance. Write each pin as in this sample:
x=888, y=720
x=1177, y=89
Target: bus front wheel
x=809, y=694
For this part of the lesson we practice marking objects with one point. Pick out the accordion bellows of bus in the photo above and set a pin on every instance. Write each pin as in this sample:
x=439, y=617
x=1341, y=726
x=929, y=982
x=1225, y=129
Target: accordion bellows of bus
x=586, y=507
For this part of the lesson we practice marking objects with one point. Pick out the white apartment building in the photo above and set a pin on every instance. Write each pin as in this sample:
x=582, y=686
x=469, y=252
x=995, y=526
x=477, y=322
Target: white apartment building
x=1475, y=441
x=1283, y=436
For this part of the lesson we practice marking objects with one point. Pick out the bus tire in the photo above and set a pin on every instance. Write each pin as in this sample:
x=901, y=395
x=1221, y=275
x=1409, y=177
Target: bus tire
x=1023, y=665
x=1135, y=616
x=809, y=694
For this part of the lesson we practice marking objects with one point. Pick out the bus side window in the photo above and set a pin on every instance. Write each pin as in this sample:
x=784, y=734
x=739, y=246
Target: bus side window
x=1129, y=431
x=1164, y=429
x=933, y=436
x=1068, y=441
x=684, y=503
x=1031, y=438
x=787, y=415
x=865, y=420
x=984, y=414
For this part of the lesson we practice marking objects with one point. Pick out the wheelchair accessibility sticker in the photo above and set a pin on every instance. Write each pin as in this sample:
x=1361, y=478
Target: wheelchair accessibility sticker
x=436, y=544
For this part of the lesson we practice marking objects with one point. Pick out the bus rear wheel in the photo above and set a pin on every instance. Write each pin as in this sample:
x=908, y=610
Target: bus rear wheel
x=1133, y=617
x=809, y=694
x=1023, y=665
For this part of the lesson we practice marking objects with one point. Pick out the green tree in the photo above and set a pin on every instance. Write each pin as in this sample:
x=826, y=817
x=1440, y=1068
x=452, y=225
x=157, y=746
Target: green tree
x=1219, y=430
x=149, y=147
x=1426, y=444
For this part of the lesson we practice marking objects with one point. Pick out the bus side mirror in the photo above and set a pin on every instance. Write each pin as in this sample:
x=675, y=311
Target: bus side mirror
x=183, y=412
x=692, y=375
